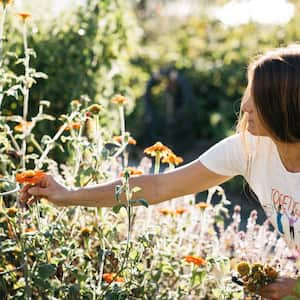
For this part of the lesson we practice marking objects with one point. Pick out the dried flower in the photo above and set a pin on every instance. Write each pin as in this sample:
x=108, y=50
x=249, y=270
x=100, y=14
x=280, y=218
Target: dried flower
x=158, y=147
x=196, y=260
x=270, y=272
x=243, y=268
x=119, y=99
x=30, y=176
x=111, y=277
x=23, y=126
x=24, y=15
x=173, y=159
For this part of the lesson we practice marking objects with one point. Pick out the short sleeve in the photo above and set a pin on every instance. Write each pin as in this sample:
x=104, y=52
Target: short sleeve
x=227, y=157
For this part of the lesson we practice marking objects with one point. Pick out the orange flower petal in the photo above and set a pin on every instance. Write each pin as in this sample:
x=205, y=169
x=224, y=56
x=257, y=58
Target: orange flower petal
x=30, y=176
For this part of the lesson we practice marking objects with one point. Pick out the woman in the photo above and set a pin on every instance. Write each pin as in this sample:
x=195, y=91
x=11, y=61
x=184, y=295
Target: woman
x=265, y=150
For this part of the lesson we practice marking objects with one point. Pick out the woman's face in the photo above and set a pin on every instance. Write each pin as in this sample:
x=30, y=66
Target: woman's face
x=254, y=124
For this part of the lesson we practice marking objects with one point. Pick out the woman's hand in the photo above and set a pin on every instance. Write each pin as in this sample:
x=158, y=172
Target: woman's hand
x=282, y=287
x=47, y=188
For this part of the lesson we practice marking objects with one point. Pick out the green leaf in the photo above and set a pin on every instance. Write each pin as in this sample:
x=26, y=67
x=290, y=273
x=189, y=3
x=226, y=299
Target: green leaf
x=117, y=208
x=143, y=202
x=136, y=189
x=290, y=298
x=44, y=271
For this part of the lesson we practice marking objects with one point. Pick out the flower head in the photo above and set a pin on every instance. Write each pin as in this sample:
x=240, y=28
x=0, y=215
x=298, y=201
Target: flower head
x=73, y=125
x=202, y=205
x=119, y=99
x=94, y=108
x=24, y=15
x=196, y=260
x=180, y=210
x=243, y=268
x=86, y=231
x=166, y=212
x=118, y=139
x=132, y=171
x=12, y=211
x=172, y=159
x=158, y=147
x=111, y=277
x=23, y=126
x=30, y=176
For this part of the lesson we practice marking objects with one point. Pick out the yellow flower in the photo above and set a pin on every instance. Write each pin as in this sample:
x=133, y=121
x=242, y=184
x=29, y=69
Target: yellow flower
x=24, y=15
x=158, y=147
x=119, y=99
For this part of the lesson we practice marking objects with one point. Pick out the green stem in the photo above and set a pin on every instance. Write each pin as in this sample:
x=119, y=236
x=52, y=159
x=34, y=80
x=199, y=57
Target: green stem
x=157, y=163
x=25, y=93
x=1, y=48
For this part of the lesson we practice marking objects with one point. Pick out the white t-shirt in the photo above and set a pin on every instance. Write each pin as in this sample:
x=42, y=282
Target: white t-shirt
x=258, y=161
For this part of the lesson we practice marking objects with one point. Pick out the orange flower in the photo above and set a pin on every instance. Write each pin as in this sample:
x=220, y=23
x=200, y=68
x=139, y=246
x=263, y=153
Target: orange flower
x=132, y=171
x=24, y=15
x=30, y=176
x=86, y=231
x=196, y=260
x=158, y=147
x=180, y=210
x=121, y=100
x=73, y=125
x=173, y=159
x=118, y=139
x=166, y=211
x=95, y=108
x=110, y=277
x=12, y=211
x=30, y=230
x=23, y=126
x=202, y=205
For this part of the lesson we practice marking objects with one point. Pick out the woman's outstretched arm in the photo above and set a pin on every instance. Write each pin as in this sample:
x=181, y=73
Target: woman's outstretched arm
x=191, y=178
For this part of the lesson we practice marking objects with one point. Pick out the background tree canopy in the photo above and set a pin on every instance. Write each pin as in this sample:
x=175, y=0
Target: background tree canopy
x=184, y=76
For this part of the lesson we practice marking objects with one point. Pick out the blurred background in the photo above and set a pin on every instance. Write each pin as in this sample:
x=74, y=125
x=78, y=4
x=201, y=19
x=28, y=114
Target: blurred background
x=182, y=63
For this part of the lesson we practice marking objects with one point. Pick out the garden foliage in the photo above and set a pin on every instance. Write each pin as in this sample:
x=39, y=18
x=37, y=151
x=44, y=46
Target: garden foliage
x=174, y=251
